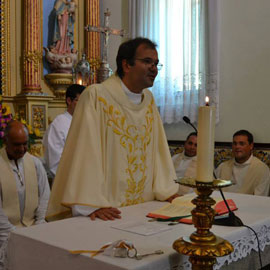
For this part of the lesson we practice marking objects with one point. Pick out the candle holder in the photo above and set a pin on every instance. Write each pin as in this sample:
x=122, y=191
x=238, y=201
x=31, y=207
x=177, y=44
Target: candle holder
x=202, y=246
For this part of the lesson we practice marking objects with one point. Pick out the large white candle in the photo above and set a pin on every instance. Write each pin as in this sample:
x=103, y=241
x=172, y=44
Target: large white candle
x=205, y=151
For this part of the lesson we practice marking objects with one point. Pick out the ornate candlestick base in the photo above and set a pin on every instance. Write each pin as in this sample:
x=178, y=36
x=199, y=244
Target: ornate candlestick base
x=203, y=246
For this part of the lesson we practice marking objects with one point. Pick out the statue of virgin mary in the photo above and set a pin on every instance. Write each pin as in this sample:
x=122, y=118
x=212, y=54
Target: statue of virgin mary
x=63, y=29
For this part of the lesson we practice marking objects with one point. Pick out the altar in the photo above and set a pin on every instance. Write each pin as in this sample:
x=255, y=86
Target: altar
x=47, y=246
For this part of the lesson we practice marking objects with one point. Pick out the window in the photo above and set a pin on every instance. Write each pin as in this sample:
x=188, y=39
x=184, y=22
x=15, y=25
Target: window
x=180, y=29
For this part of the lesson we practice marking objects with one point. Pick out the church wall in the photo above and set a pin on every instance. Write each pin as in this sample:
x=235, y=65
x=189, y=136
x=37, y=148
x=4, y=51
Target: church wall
x=244, y=68
x=118, y=20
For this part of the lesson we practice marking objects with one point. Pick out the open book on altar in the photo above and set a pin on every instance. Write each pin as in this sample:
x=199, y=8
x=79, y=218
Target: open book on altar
x=180, y=209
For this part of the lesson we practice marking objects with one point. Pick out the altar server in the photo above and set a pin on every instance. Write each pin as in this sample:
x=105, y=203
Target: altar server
x=116, y=153
x=24, y=188
x=248, y=174
x=55, y=137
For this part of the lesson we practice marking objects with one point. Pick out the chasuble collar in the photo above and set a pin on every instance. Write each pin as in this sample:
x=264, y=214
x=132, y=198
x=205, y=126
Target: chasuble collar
x=136, y=98
x=114, y=87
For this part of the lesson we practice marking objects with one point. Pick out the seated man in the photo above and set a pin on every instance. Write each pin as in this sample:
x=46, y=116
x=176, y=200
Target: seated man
x=248, y=173
x=55, y=136
x=24, y=188
x=185, y=163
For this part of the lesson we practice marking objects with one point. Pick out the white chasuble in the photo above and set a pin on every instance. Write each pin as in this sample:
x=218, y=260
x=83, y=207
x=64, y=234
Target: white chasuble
x=116, y=153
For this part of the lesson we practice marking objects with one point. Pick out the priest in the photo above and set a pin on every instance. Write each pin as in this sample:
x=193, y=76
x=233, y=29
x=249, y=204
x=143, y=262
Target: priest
x=248, y=174
x=185, y=163
x=24, y=188
x=116, y=152
x=55, y=136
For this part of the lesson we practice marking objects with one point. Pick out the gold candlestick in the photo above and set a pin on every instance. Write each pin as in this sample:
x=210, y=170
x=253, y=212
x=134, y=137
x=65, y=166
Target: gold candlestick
x=203, y=246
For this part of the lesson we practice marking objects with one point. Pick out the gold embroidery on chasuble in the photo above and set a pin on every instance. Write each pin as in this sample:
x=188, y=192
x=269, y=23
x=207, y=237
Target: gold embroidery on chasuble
x=135, y=139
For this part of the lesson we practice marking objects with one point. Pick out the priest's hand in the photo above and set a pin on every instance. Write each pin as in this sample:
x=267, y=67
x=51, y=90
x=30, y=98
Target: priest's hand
x=172, y=197
x=106, y=214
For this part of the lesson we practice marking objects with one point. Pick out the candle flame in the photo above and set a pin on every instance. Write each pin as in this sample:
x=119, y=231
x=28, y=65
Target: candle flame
x=206, y=99
x=80, y=81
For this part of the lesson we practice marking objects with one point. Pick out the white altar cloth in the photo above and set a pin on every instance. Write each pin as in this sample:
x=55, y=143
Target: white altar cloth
x=46, y=246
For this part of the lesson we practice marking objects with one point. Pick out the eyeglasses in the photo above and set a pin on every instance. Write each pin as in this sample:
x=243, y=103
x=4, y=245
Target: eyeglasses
x=150, y=62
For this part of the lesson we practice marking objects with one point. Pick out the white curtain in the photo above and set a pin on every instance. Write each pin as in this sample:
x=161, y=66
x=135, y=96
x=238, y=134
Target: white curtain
x=184, y=34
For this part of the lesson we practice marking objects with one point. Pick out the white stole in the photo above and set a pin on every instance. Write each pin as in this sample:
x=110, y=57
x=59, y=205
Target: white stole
x=10, y=199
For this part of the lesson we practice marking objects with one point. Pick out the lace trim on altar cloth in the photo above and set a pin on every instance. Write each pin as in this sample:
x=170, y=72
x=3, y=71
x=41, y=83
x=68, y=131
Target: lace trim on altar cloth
x=245, y=245
x=242, y=248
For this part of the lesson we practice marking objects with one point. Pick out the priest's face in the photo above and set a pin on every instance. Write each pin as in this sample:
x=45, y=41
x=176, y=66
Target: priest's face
x=241, y=148
x=142, y=74
x=16, y=144
x=190, y=146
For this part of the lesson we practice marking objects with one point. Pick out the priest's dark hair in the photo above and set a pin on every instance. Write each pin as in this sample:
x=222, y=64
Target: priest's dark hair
x=244, y=132
x=127, y=51
x=73, y=90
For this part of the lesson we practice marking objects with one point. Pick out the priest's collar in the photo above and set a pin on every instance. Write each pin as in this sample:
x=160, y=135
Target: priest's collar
x=14, y=163
x=136, y=98
x=245, y=163
x=189, y=158
x=115, y=89
x=68, y=115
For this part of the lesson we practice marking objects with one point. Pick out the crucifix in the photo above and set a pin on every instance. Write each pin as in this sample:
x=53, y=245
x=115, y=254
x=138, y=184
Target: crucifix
x=107, y=31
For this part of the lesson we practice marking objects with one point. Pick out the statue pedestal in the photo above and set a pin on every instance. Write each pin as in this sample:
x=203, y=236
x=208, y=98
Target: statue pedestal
x=59, y=83
x=34, y=109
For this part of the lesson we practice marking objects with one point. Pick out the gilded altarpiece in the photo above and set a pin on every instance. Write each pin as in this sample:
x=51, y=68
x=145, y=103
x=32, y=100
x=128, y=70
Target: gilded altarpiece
x=5, y=47
x=23, y=69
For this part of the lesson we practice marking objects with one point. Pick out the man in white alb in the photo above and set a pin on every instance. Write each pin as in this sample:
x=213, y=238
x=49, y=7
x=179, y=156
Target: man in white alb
x=55, y=137
x=185, y=163
x=116, y=153
x=24, y=188
x=248, y=173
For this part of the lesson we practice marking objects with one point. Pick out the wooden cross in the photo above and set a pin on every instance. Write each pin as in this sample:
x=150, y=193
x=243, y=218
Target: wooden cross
x=107, y=31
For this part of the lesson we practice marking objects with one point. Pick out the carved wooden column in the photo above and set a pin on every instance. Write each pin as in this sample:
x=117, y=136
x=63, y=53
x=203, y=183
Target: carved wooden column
x=31, y=104
x=92, y=46
x=32, y=54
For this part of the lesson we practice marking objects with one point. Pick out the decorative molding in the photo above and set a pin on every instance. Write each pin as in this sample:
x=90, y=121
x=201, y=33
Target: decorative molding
x=32, y=52
x=21, y=111
x=94, y=63
x=39, y=117
x=92, y=40
x=34, y=57
x=59, y=83
x=5, y=47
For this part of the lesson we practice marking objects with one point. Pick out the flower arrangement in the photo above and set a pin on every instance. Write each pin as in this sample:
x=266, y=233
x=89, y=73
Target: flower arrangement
x=6, y=116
